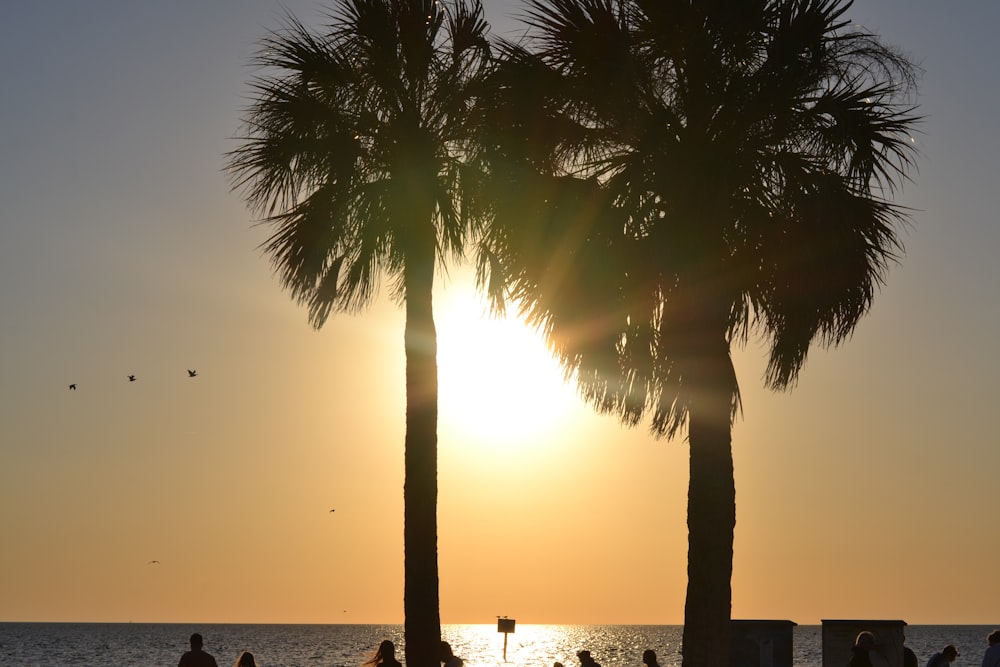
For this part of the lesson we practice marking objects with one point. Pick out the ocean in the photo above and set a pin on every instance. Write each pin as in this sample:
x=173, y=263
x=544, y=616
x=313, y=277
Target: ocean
x=155, y=644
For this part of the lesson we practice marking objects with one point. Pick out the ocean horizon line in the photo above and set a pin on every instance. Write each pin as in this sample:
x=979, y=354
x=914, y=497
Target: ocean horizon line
x=519, y=623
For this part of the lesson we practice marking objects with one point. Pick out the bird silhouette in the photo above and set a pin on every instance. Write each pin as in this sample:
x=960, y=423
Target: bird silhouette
x=192, y=373
x=333, y=510
x=131, y=378
x=153, y=562
x=73, y=386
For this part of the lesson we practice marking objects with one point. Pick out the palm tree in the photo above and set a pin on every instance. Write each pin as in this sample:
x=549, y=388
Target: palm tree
x=673, y=177
x=352, y=154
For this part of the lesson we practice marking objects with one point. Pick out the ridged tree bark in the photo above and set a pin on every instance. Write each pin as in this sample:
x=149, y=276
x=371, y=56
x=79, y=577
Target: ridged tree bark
x=422, y=622
x=711, y=515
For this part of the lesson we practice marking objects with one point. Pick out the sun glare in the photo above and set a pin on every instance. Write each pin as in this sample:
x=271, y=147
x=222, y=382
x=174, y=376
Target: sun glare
x=498, y=384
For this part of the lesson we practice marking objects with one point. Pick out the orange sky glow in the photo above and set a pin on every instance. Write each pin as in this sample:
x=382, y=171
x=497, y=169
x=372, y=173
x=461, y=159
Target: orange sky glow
x=869, y=491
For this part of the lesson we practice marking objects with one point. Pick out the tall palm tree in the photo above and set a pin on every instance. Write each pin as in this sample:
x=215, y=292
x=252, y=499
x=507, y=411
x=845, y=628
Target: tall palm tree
x=673, y=177
x=352, y=154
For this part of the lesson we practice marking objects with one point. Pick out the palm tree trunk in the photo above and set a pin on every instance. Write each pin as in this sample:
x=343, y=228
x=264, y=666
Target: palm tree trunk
x=711, y=512
x=422, y=618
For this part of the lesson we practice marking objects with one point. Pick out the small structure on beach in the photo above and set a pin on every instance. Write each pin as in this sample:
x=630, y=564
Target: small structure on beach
x=760, y=643
x=839, y=635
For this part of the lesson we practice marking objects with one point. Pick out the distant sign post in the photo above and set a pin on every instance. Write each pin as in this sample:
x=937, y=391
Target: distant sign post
x=505, y=625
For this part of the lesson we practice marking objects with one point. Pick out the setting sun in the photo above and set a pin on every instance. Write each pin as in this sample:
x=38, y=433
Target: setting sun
x=499, y=385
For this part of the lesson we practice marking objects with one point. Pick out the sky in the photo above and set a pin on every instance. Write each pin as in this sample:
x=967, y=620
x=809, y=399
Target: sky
x=868, y=491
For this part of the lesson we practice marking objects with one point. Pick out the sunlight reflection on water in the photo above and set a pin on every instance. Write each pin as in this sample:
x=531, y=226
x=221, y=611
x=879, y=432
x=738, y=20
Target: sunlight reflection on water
x=145, y=644
x=543, y=645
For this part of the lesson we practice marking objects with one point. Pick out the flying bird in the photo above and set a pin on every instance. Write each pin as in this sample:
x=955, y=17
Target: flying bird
x=131, y=378
x=73, y=386
x=333, y=510
x=192, y=373
x=153, y=562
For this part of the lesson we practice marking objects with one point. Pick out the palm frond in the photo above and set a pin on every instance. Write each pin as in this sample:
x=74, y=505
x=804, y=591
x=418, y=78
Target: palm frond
x=744, y=153
x=353, y=145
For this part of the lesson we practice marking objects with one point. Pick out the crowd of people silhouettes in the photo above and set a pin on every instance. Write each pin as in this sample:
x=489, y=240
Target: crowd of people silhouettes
x=383, y=656
x=865, y=652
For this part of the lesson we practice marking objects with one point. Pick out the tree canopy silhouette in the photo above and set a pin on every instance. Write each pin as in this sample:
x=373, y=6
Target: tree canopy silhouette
x=352, y=154
x=673, y=177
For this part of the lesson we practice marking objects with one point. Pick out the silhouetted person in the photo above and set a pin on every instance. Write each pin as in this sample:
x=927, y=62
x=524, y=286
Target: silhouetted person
x=196, y=657
x=909, y=657
x=649, y=658
x=992, y=656
x=246, y=660
x=864, y=643
x=449, y=659
x=384, y=656
x=944, y=658
x=586, y=660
